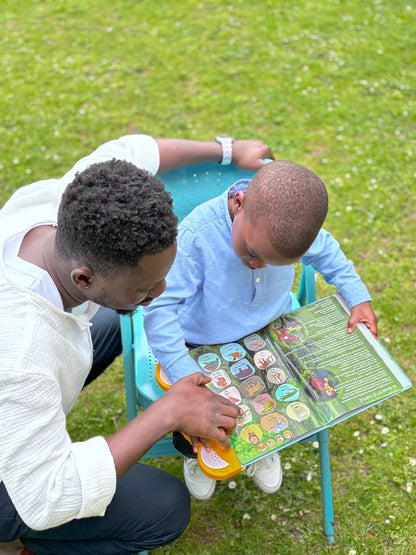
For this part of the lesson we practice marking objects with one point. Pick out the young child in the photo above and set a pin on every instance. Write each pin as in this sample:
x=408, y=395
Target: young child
x=233, y=274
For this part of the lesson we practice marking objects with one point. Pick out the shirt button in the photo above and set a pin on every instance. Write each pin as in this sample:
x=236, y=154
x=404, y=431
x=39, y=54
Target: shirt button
x=257, y=280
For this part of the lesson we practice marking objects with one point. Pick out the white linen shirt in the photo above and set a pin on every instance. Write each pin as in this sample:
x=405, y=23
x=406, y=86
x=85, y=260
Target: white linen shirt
x=46, y=355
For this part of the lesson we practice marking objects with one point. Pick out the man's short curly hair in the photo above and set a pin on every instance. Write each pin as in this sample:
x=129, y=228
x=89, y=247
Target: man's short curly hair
x=112, y=215
x=292, y=203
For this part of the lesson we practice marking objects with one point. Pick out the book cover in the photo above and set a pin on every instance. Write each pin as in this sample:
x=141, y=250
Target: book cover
x=299, y=374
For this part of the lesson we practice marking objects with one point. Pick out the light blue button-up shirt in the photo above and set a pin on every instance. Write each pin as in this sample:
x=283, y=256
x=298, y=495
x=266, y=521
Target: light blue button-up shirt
x=211, y=297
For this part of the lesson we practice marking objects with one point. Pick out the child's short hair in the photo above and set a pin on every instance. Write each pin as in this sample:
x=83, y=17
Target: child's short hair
x=291, y=201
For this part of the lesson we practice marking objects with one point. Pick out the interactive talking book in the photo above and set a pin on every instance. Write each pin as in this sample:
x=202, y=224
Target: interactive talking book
x=296, y=376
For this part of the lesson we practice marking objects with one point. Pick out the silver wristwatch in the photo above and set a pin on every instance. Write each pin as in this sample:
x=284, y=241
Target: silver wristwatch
x=227, y=149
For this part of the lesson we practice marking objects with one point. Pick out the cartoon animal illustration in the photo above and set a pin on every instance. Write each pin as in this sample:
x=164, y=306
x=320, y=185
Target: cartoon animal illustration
x=287, y=395
x=330, y=391
x=242, y=370
x=276, y=375
x=279, y=376
x=298, y=411
x=232, y=394
x=322, y=384
x=232, y=351
x=253, y=388
x=221, y=382
x=287, y=335
x=301, y=414
x=265, y=361
x=253, y=438
x=288, y=330
x=267, y=407
x=279, y=424
x=209, y=364
x=275, y=423
x=287, y=392
x=255, y=345
x=210, y=367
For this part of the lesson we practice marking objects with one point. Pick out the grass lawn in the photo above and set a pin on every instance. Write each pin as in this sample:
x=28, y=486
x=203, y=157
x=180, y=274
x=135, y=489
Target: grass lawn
x=330, y=85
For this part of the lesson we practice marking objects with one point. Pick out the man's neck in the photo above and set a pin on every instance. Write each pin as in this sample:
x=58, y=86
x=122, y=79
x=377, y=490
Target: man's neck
x=38, y=248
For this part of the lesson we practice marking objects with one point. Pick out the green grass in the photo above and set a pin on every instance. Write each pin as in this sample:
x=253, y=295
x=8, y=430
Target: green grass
x=330, y=85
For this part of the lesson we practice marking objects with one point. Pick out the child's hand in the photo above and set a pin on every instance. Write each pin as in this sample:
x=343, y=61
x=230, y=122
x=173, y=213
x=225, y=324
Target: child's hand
x=364, y=313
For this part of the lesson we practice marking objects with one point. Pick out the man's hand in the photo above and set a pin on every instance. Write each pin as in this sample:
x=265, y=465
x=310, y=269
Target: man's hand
x=249, y=155
x=364, y=313
x=198, y=412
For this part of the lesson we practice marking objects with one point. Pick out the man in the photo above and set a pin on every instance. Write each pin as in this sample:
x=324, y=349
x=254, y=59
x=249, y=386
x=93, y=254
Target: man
x=104, y=234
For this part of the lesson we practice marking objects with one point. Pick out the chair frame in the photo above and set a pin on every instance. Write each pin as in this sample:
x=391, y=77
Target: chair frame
x=138, y=359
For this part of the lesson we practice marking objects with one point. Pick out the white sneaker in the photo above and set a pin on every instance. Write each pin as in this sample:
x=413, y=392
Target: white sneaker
x=199, y=485
x=267, y=473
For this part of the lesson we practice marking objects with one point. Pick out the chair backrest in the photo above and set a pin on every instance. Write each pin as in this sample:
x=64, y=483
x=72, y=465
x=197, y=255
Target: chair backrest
x=193, y=185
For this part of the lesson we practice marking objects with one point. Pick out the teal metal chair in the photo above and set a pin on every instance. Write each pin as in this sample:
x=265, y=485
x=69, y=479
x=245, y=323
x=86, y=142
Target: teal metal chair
x=189, y=187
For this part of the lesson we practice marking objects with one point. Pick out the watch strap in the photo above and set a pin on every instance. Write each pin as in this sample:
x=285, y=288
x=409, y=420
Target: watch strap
x=227, y=150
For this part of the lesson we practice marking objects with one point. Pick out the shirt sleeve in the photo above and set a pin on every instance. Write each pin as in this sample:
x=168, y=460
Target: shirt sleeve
x=64, y=480
x=140, y=150
x=327, y=258
x=162, y=317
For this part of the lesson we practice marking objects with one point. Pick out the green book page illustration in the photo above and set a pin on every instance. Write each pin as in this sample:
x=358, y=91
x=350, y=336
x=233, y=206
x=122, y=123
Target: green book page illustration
x=297, y=375
x=345, y=371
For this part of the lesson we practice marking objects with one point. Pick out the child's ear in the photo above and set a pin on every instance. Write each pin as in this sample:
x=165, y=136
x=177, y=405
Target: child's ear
x=239, y=199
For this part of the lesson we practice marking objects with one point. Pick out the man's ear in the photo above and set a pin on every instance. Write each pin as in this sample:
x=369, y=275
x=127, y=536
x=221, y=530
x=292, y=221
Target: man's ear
x=82, y=277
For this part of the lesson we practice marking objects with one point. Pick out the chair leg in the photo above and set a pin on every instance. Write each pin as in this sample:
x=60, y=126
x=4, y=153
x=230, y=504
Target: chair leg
x=328, y=515
x=126, y=327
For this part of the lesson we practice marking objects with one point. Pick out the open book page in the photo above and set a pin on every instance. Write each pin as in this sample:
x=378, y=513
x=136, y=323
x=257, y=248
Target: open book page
x=346, y=372
x=297, y=375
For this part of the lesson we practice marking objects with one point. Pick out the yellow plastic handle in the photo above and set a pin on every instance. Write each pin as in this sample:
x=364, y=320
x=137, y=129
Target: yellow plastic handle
x=220, y=464
x=161, y=378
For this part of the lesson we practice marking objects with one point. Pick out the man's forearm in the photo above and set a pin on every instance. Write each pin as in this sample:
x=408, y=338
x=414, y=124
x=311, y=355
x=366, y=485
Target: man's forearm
x=130, y=443
x=178, y=153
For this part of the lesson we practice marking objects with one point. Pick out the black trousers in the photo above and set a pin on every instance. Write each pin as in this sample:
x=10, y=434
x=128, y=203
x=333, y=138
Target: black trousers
x=150, y=508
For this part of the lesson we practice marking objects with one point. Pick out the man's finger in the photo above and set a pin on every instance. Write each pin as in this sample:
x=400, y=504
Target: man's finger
x=221, y=438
